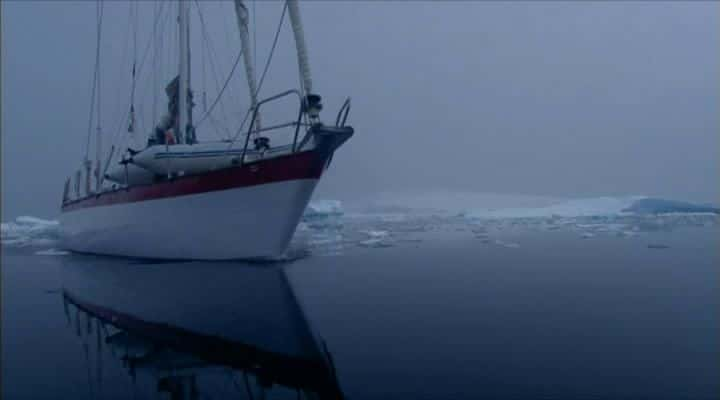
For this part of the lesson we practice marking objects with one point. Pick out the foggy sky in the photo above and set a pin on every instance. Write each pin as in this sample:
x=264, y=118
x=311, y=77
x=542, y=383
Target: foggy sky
x=562, y=99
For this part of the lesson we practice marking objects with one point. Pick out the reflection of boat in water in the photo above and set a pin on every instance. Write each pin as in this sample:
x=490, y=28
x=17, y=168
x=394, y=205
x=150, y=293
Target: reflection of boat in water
x=183, y=322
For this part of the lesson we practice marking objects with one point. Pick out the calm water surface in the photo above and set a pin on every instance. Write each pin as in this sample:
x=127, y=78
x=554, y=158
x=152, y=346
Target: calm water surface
x=449, y=318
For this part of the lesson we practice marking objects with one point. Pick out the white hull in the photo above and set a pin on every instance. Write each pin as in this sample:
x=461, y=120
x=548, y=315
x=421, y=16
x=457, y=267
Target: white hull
x=239, y=223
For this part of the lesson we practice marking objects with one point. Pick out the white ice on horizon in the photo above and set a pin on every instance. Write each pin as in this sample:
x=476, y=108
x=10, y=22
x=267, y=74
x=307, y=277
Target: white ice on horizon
x=509, y=245
x=375, y=242
x=51, y=252
x=376, y=234
x=29, y=231
x=591, y=207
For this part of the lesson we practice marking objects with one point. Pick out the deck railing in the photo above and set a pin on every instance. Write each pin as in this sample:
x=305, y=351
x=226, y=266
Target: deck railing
x=344, y=111
x=255, y=111
x=340, y=120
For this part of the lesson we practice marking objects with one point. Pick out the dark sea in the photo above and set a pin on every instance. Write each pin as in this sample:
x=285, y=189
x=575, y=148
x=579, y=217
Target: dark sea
x=383, y=304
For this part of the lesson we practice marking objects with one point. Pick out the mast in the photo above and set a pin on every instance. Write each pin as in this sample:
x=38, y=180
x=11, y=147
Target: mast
x=98, y=142
x=302, y=54
x=312, y=105
x=184, y=103
x=243, y=19
x=98, y=130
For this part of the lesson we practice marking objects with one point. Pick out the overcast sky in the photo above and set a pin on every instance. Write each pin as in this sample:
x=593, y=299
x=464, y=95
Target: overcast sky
x=562, y=99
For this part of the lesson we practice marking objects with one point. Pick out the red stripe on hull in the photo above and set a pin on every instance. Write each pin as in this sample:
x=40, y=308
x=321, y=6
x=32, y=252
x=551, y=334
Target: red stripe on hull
x=305, y=165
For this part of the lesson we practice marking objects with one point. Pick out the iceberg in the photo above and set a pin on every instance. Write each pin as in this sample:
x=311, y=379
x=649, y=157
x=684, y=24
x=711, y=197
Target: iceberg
x=323, y=208
x=662, y=206
x=376, y=234
x=623, y=216
x=29, y=231
x=592, y=207
x=596, y=207
x=51, y=252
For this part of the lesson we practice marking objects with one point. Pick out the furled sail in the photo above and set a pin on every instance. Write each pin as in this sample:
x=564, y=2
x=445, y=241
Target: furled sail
x=301, y=48
x=243, y=22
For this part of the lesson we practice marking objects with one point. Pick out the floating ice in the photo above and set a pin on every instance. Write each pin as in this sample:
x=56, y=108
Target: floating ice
x=322, y=208
x=376, y=234
x=29, y=231
x=376, y=238
x=444, y=202
x=662, y=206
x=600, y=206
x=382, y=226
x=379, y=243
x=595, y=207
x=51, y=252
x=319, y=240
x=509, y=245
x=321, y=228
x=627, y=233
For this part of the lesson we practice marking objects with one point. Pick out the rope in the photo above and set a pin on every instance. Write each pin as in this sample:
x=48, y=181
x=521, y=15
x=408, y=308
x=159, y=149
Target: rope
x=265, y=70
x=120, y=84
x=212, y=106
x=99, y=14
x=272, y=49
x=139, y=69
x=92, y=113
x=116, y=136
x=97, y=61
x=254, y=11
x=204, y=57
x=131, y=126
x=212, y=56
x=204, y=78
x=147, y=46
x=154, y=64
x=230, y=41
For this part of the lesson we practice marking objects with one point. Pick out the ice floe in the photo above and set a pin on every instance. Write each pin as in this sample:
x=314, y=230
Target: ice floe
x=376, y=238
x=376, y=234
x=509, y=245
x=387, y=224
x=595, y=207
x=323, y=208
x=51, y=252
x=29, y=231
x=663, y=206
x=600, y=206
x=321, y=228
x=626, y=216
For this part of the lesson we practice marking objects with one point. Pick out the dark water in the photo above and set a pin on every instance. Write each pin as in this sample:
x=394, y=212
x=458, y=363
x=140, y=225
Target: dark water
x=559, y=317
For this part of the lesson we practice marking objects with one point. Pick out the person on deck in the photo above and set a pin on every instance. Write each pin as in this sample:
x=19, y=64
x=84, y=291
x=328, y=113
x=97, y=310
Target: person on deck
x=167, y=131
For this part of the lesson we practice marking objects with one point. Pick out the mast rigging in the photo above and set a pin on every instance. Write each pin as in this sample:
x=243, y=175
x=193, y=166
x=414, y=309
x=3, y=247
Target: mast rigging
x=184, y=100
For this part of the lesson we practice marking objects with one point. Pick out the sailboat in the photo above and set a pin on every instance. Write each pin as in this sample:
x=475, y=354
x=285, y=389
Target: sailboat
x=182, y=198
